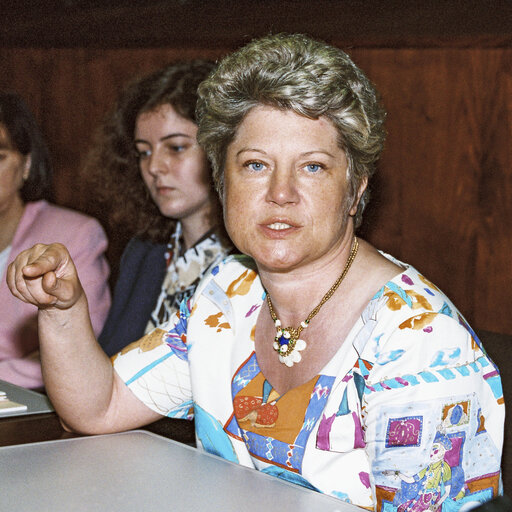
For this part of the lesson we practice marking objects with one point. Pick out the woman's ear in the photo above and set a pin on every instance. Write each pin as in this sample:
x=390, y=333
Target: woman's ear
x=26, y=167
x=360, y=190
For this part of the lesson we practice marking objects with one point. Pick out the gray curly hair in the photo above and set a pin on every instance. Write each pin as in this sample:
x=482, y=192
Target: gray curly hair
x=293, y=72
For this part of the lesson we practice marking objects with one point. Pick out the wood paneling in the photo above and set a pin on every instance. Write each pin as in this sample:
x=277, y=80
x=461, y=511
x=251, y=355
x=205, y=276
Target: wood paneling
x=441, y=198
x=441, y=194
x=202, y=24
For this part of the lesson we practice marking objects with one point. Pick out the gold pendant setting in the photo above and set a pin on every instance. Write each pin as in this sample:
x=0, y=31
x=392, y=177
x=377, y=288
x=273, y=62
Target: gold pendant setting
x=288, y=345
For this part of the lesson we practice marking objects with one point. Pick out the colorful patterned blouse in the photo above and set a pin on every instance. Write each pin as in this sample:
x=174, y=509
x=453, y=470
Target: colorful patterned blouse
x=407, y=416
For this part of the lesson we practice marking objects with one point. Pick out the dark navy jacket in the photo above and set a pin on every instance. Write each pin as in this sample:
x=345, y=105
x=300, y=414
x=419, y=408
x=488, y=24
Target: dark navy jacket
x=141, y=273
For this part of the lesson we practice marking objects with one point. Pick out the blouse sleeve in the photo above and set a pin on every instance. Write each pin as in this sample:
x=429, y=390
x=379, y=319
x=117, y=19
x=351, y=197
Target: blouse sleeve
x=156, y=369
x=433, y=415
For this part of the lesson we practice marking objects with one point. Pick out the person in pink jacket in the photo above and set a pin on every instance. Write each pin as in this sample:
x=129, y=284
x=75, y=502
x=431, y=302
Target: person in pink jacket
x=27, y=218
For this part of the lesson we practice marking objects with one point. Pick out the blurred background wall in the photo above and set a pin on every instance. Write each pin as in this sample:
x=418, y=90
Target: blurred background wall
x=442, y=199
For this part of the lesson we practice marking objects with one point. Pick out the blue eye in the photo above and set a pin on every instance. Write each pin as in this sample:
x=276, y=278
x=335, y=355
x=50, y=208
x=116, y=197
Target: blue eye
x=255, y=166
x=313, y=167
x=141, y=155
x=177, y=148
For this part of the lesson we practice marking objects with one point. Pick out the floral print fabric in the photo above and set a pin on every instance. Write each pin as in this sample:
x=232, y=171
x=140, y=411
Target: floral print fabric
x=184, y=272
x=407, y=416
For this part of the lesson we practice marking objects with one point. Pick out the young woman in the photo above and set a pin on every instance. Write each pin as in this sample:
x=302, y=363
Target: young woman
x=154, y=179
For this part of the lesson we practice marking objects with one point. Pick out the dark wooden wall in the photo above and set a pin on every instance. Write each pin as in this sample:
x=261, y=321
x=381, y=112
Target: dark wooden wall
x=442, y=199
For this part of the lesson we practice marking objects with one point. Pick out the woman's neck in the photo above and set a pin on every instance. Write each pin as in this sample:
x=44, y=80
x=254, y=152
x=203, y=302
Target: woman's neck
x=197, y=224
x=9, y=220
x=294, y=294
x=193, y=230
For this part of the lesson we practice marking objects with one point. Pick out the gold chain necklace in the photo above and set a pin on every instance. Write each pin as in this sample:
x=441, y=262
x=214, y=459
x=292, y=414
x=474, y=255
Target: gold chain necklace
x=286, y=342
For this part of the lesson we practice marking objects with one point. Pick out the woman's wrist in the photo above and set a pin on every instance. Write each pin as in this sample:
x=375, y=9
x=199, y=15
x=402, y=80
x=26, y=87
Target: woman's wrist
x=65, y=317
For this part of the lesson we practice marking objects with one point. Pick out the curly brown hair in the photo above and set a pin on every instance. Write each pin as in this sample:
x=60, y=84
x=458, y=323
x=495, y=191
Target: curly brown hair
x=111, y=166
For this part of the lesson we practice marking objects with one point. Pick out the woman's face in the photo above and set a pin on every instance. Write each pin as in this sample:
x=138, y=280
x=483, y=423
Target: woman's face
x=286, y=199
x=14, y=169
x=173, y=166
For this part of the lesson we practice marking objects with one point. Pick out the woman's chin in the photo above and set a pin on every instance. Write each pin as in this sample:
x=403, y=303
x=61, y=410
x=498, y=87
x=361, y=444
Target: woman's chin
x=277, y=261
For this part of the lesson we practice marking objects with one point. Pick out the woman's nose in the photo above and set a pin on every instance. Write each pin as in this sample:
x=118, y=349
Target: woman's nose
x=282, y=187
x=157, y=163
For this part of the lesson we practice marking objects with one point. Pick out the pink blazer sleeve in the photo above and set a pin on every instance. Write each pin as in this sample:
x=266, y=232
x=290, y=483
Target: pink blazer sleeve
x=88, y=253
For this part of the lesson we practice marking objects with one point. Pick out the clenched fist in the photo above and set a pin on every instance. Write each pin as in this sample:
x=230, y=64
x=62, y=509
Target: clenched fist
x=45, y=276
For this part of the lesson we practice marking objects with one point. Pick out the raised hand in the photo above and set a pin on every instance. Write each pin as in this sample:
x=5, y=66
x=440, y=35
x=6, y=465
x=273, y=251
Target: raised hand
x=45, y=276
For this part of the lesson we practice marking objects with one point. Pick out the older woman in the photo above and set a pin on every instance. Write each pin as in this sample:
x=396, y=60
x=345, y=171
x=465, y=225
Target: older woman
x=313, y=357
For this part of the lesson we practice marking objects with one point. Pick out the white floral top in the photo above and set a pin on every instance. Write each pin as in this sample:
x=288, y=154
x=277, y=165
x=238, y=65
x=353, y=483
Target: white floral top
x=184, y=272
x=407, y=416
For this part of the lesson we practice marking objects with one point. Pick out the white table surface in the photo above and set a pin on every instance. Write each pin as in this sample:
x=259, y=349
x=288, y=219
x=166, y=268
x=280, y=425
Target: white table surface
x=140, y=471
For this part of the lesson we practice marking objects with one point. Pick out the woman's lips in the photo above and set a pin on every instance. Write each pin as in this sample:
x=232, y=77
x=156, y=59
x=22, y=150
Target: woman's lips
x=279, y=225
x=164, y=190
x=277, y=229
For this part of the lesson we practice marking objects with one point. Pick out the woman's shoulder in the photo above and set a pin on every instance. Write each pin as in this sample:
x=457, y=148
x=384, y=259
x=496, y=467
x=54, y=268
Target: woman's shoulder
x=142, y=247
x=231, y=273
x=414, y=292
x=43, y=222
x=142, y=262
x=398, y=290
x=410, y=314
x=233, y=263
x=60, y=215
